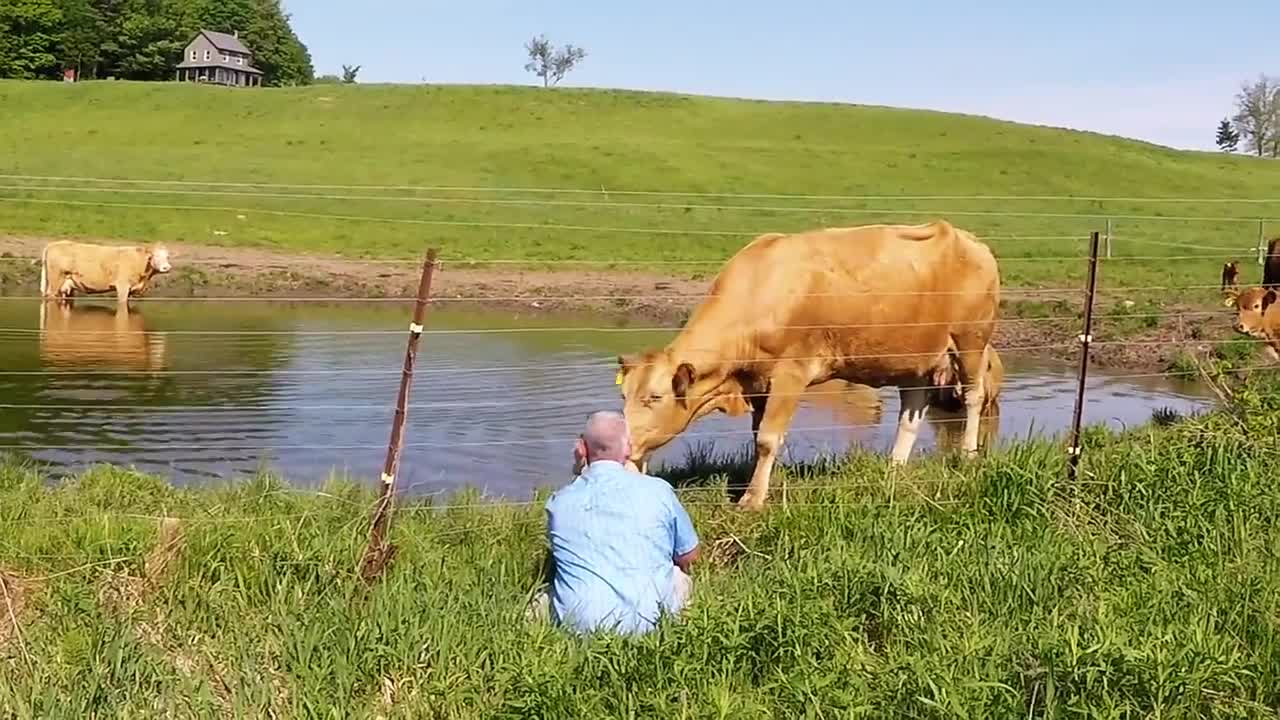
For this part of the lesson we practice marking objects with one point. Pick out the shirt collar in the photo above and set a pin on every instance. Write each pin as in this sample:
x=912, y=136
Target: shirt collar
x=600, y=466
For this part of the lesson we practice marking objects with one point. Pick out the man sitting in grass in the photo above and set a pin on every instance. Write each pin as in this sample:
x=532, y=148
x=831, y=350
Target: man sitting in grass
x=621, y=543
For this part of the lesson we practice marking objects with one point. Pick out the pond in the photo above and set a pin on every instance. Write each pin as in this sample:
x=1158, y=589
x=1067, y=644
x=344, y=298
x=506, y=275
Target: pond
x=199, y=390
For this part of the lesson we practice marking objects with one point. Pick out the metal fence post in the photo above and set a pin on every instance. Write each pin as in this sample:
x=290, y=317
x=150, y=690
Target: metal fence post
x=379, y=551
x=1262, y=242
x=1108, y=238
x=1073, y=450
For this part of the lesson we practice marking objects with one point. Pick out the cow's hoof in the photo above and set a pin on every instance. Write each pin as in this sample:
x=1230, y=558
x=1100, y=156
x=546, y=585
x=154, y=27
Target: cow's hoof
x=752, y=502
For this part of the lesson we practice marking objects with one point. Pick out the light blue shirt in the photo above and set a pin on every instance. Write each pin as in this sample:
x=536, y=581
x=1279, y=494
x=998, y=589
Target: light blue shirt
x=613, y=535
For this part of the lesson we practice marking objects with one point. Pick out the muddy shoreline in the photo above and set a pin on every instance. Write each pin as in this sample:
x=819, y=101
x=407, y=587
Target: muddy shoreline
x=614, y=295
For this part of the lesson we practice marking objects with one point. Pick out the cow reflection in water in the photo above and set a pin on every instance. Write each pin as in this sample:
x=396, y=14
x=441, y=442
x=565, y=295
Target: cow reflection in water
x=860, y=406
x=855, y=406
x=98, y=336
x=946, y=412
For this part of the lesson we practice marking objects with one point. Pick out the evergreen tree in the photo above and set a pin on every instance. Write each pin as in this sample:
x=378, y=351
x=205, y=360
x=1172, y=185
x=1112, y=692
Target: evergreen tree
x=1228, y=138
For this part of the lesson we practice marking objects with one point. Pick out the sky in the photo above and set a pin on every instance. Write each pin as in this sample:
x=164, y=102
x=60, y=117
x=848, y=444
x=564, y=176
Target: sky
x=1165, y=72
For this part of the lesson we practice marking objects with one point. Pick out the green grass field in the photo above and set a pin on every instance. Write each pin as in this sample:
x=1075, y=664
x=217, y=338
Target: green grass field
x=1150, y=587
x=603, y=144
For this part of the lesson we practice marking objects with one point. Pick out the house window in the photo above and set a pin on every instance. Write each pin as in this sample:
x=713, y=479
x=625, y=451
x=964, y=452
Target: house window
x=206, y=55
x=239, y=61
x=226, y=59
x=193, y=56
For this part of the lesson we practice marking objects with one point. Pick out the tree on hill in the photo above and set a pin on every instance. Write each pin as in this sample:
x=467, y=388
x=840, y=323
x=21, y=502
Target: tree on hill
x=1228, y=139
x=550, y=64
x=30, y=32
x=1257, y=118
x=349, y=73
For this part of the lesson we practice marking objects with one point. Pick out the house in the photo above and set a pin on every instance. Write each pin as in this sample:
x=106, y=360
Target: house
x=220, y=58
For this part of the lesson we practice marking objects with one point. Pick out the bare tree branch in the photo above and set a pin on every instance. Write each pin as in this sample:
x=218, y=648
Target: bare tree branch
x=1257, y=118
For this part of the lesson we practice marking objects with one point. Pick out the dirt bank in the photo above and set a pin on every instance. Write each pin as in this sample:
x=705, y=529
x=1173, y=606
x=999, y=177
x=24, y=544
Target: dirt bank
x=202, y=271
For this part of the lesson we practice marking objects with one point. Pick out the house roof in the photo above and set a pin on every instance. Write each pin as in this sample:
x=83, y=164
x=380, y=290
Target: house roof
x=223, y=41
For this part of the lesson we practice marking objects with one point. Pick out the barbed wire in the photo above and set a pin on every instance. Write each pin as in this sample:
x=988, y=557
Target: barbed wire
x=1006, y=294
x=507, y=402
x=791, y=431
x=625, y=329
x=566, y=203
x=932, y=212
x=606, y=364
x=607, y=191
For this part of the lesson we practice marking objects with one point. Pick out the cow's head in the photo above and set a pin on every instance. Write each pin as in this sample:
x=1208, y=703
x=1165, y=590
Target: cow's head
x=1230, y=272
x=662, y=394
x=159, y=259
x=1251, y=306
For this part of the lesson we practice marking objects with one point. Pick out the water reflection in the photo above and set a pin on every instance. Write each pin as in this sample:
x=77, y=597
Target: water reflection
x=96, y=336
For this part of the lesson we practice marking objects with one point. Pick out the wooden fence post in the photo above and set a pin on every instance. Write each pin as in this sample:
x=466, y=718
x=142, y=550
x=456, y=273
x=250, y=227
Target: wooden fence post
x=1073, y=451
x=379, y=551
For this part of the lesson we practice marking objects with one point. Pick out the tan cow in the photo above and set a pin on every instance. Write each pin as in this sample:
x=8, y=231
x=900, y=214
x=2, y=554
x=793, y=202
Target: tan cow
x=874, y=305
x=1258, y=316
x=68, y=267
x=98, y=337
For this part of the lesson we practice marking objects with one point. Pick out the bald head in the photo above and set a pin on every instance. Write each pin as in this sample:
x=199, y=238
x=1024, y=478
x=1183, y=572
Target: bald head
x=606, y=437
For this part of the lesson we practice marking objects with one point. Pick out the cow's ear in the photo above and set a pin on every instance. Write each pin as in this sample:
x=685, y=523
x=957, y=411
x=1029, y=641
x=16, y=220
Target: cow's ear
x=680, y=382
x=1268, y=298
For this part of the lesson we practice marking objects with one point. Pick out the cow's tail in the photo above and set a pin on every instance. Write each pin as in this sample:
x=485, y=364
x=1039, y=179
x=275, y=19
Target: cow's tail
x=44, y=272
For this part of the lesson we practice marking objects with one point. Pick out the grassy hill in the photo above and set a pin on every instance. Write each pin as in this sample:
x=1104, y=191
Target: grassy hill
x=604, y=143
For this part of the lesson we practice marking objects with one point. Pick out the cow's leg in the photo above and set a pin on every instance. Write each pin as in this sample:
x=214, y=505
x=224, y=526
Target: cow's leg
x=66, y=290
x=972, y=366
x=913, y=401
x=770, y=428
x=122, y=294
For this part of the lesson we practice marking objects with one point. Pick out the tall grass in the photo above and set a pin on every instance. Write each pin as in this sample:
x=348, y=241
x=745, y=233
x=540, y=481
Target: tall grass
x=1149, y=587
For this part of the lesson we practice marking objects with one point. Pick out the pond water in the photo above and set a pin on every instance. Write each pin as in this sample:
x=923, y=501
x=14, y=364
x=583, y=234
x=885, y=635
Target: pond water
x=197, y=390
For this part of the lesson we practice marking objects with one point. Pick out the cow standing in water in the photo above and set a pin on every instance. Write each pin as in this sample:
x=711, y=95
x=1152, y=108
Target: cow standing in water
x=875, y=305
x=68, y=267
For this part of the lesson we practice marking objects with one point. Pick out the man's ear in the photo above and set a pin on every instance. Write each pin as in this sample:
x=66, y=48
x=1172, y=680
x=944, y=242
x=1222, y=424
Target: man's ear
x=680, y=382
x=1267, y=298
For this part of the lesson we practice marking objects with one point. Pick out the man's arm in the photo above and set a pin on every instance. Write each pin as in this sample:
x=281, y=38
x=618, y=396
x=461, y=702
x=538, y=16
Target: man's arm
x=685, y=561
x=687, y=548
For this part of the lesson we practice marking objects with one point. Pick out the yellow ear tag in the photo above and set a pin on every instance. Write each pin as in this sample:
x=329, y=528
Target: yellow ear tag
x=617, y=379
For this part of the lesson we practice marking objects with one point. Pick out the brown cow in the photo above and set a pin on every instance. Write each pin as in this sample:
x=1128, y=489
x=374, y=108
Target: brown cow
x=1230, y=275
x=68, y=267
x=96, y=336
x=1270, y=273
x=1258, y=316
x=873, y=305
